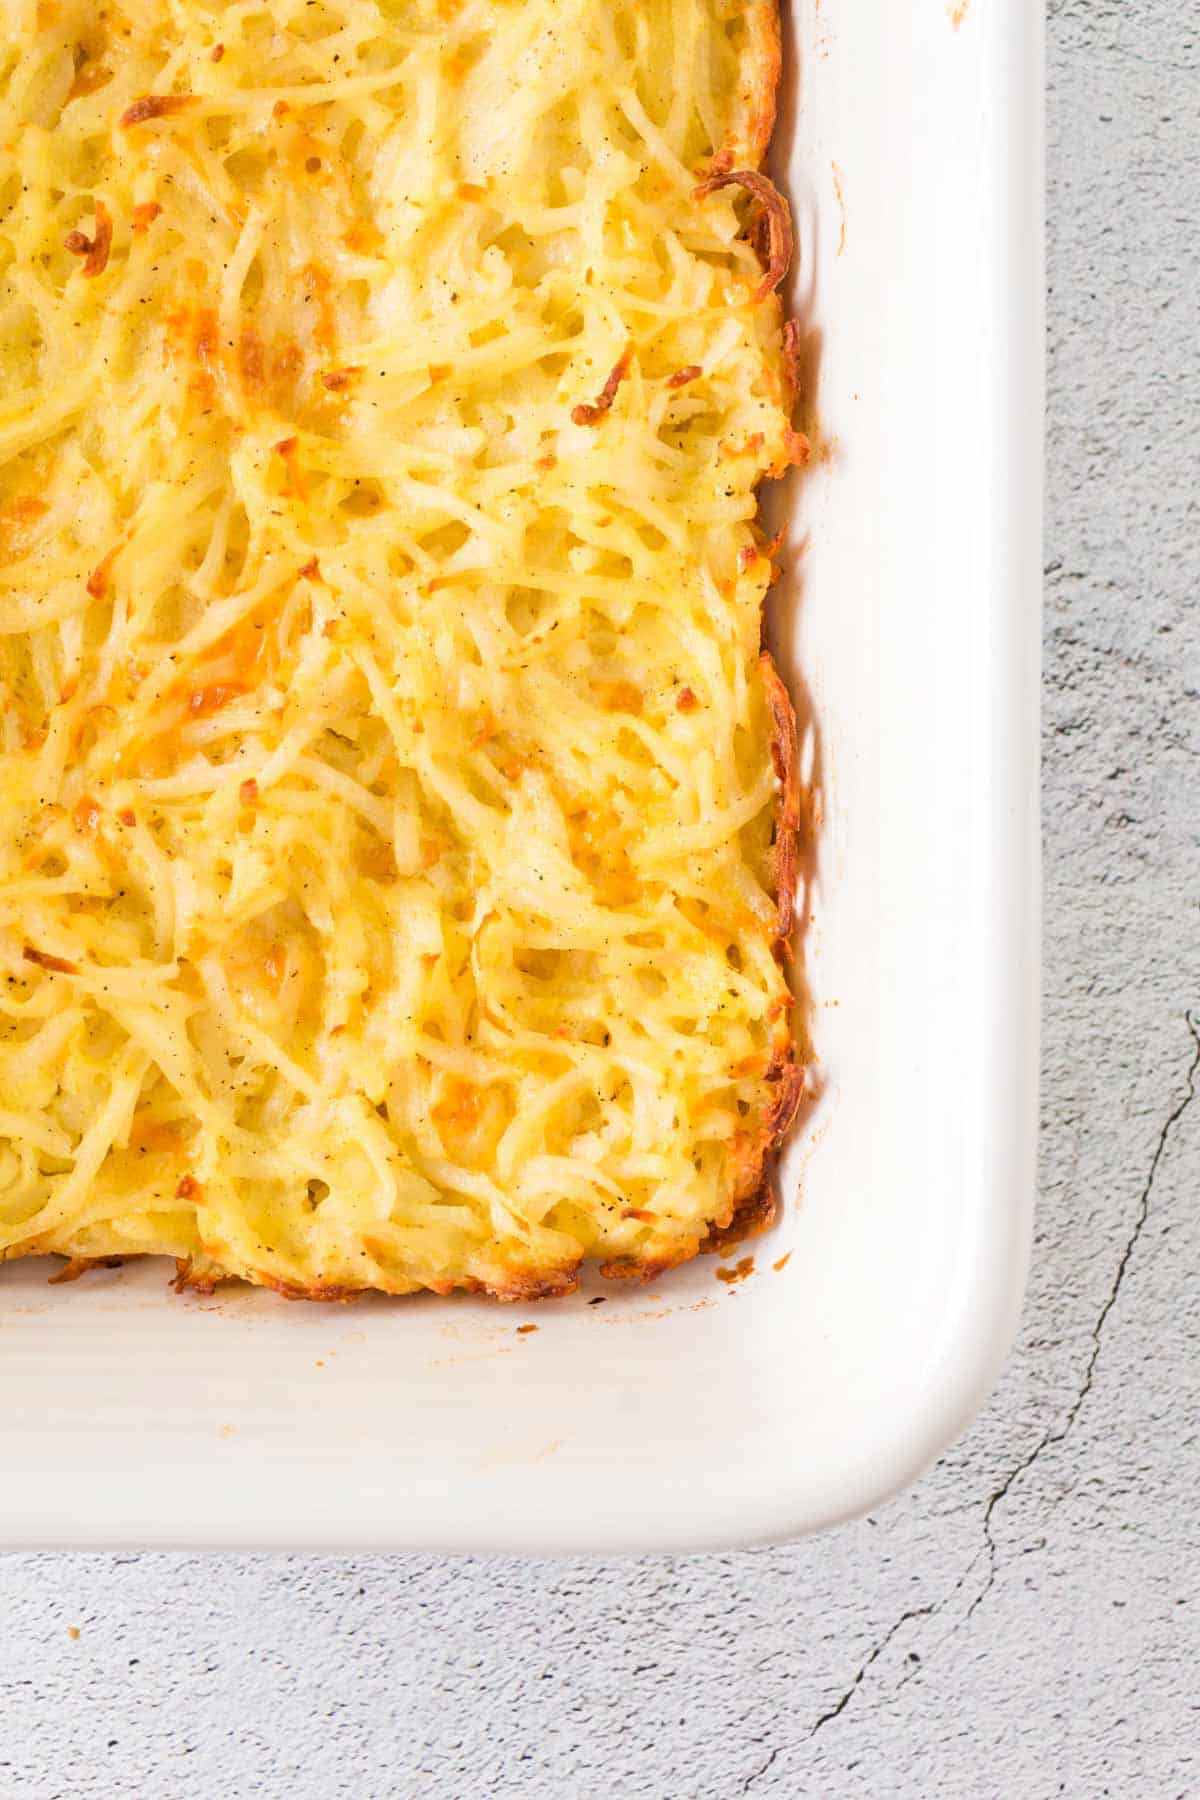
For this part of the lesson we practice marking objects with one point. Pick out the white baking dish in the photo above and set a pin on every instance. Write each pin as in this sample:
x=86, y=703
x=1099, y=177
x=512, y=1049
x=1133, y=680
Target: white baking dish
x=704, y=1413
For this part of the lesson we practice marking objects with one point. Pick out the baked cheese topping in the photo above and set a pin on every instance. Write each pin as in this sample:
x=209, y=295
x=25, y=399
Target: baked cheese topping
x=392, y=864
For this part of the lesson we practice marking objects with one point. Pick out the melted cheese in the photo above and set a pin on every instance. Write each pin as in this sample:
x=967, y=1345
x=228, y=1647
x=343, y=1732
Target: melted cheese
x=387, y=883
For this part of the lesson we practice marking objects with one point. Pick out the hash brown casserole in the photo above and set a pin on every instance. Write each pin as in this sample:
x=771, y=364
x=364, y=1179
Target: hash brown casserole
x=398, y=809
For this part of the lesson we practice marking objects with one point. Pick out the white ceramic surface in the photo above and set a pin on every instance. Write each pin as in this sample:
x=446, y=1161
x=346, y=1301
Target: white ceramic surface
x=702, y=1413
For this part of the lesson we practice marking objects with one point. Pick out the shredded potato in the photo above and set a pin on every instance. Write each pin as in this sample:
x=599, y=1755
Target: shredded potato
x=397, y=810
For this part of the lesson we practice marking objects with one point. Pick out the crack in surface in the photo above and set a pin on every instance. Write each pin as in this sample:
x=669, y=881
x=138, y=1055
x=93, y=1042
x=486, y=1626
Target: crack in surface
x=1049, y=1438
x=758, y=1773
x=1058, y=1434
x=915, y=1612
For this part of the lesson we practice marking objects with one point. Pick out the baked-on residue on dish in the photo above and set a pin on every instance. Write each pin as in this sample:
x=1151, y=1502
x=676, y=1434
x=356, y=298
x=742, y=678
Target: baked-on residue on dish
x=397, y=811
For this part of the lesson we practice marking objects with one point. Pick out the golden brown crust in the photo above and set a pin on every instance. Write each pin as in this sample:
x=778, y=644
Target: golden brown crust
x=793, y=1085
x=188, y=1277
x=793, y=351
x=749, y=135
x=752, y=1216
x=756, y=1203
x=530, y=1284
x=765, y=65
x=786, y=1076
x=787, y=817
x=319, y=1290
x=643, y=1269
x=521, y=1287
x=75, y=1266
x=756, y=1214
x=775, y=254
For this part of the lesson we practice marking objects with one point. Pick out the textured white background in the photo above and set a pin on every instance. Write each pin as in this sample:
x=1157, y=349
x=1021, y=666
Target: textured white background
x=1026, y=1624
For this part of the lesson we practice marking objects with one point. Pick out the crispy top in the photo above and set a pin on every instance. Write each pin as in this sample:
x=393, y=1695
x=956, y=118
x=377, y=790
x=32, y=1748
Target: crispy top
x=398, y=812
